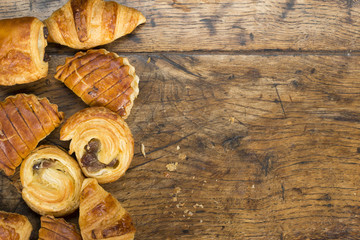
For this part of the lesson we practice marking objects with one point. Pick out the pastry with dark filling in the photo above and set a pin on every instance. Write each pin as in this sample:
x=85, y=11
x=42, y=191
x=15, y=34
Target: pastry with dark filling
x=101, y=215
x=57, y=229
x=14, y=226
x=24, y=121
x=84, y=24
x=51, y=181
x=102, y=142
x=101, y=78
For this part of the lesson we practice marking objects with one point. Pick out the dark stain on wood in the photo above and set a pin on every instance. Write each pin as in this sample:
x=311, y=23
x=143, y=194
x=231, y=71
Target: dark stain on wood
x=209, y=23
x=289, y=7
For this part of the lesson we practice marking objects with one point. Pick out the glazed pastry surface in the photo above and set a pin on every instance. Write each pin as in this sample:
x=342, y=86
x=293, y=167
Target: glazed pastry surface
x=57, y=229
x=84, y=24
x=14, y=226
x=102, y=142
x=22, y=48
x=51, y=181
x=101, y=78
x=24, y=121
x=101, y=215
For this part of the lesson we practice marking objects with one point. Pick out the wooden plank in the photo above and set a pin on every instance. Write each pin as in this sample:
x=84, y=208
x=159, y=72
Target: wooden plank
x=268, y=146
x=229, y=25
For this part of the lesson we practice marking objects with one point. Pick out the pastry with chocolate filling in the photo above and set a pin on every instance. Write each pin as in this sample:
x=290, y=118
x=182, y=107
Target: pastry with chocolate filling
x=57, y=229
x=14, y=226
x=51, y=181
x=101, y=78
x=101, y=215
x=84, y=24
x=24, y=121
x=22, y=49
x=102, y=142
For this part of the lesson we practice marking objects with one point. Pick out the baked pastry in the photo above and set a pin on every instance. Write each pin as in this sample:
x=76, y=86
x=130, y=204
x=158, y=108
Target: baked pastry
x=22, y=49
x=101, y=78
x=14, y=226
x=101, y=215
x=57, y=229
x=84, y=24
x=51, y=181
x=102, y=142
x=24, y=121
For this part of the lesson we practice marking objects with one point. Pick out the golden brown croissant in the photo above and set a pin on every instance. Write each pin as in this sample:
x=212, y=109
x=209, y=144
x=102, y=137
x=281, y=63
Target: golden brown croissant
x=24, y=121
x=14, y=226
x=101, y=78
x=57, y=229
x=51, y=181
x=84, y=24
x=102, y=142
x=101, y=215
x=22, y=49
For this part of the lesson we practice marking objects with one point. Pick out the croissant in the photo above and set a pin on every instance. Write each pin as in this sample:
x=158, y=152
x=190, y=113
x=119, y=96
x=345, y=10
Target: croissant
x=51, y=181
x=102, y=142
x=101, y=78
x=14, y=226
x=57, y=229
x=24, y=121
x=84, y=24
x=101, y=215
x=22, y=49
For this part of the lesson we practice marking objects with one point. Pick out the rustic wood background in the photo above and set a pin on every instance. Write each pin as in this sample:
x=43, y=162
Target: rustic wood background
x=258, y=103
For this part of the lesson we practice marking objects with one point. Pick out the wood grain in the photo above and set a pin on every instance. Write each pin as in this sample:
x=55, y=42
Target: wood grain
x=268, y=146
x=227, y=25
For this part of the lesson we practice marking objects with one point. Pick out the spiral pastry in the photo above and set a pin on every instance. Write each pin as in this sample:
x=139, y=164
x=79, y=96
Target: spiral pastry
x=101, y=78
x=51, y=181
x=101, y=215
x=102, y=142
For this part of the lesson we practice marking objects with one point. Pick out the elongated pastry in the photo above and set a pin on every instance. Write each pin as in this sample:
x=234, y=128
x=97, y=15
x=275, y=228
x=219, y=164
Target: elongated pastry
x=102, y=142
x=14, y=226
x=51, y=181
x=101, y=215
x=101, y=78
x=57, y=229
x=84, y=24
x=24, y=121
x=22, y=49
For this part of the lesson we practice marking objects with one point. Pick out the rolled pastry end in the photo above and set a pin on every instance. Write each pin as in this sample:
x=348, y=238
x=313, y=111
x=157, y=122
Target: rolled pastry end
x=38, y=47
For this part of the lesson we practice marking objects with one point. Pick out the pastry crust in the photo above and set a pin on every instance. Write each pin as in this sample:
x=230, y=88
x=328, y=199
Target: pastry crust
x=102, y=142
x=101, y=78
x=102, y=216
x=22, y=49
x=24, y=121
x=57, y=229
x=51, y=181
x=84, y=24
x=14, y=226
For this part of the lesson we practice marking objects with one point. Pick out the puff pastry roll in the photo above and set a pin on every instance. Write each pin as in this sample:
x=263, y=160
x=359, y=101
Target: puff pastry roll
x=22, y=49
x=51, y=181
x=14, y=226
x=102, y=142
x=24, y=121
x=57, y=229
x=84, y=24
x=101, y=78
x=101, y=215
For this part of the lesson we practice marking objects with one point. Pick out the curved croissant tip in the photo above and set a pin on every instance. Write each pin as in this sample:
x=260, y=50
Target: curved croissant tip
x=142, y=19
x=88, y=181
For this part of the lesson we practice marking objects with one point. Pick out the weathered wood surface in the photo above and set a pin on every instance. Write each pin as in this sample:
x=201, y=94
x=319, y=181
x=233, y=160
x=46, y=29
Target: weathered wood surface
x=227, y=25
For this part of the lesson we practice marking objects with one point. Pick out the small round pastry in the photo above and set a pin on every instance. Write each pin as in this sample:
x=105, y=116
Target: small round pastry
x=51, y=181
x=102, y=142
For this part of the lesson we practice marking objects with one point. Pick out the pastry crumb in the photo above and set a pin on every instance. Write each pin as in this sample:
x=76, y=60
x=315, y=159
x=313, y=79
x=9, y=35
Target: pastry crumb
x=201, y=220
x=149, y=59
x=198, y=206
x=179, y=205
x=143, y=150
x=174, y=199
x=232, y=120
x=177, y=190
x=190, y=213
x=178, y=147
x=171, y=167
x=182, y=156
x=253, y=186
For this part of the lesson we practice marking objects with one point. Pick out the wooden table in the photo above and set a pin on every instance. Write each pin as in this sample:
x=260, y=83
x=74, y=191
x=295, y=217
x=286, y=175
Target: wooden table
x=256, y=101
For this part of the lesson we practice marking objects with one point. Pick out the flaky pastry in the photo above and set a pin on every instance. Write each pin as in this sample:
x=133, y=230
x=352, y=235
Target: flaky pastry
x=22, y=49
x=24, y=121
x=101, y=215
x=57, y=229
x=84, y=24
x=101, y=78
x=102, y=142
x=51, y=181
x=14, y=226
